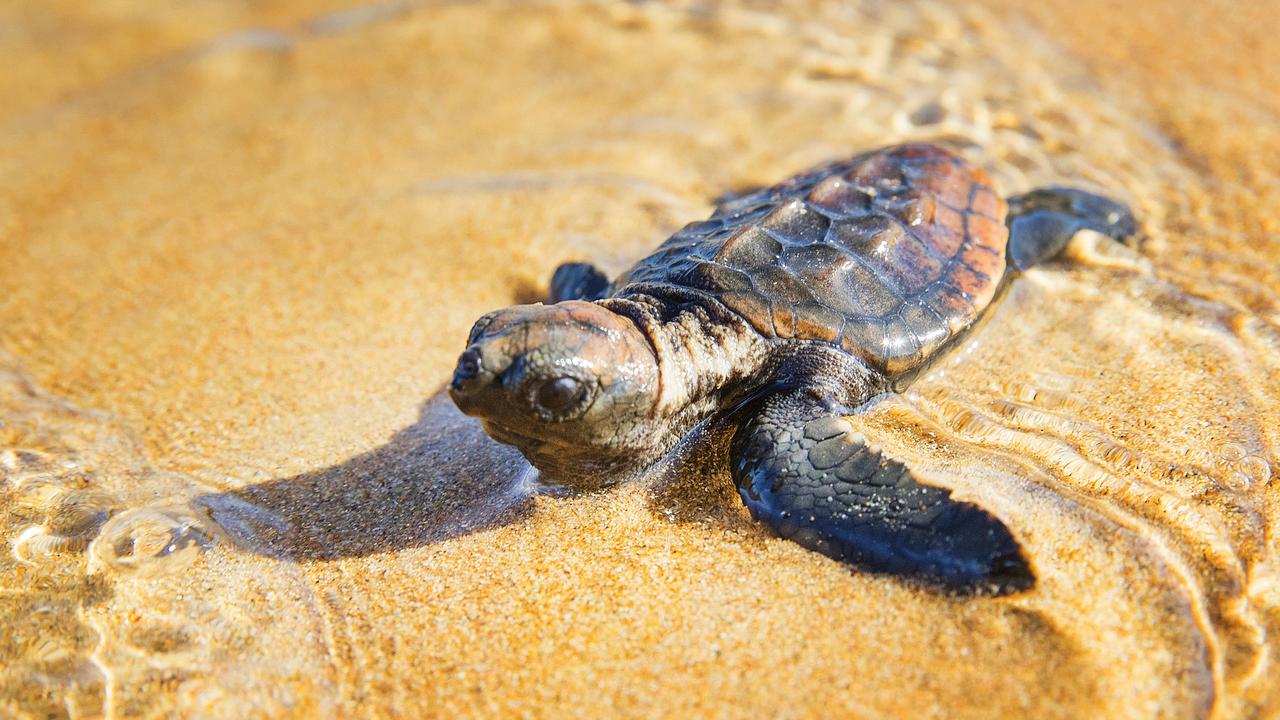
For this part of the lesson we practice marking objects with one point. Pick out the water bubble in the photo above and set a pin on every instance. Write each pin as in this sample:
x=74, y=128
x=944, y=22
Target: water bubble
x=152, y=540
x=1256, y=469
x=1237, y=481
x=79, y=512
x=36, y=545
x=38, y=492
x=1242, y=469
x=1233, y=452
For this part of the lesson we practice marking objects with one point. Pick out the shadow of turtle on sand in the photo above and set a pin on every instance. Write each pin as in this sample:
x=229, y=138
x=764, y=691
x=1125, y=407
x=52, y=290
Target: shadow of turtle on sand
x=439, y=478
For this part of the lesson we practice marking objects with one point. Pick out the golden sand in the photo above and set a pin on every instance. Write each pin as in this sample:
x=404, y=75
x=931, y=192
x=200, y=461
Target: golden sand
x=243, y=244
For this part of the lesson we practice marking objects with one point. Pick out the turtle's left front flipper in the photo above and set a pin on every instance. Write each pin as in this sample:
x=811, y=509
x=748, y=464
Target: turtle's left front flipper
x=803, y=469
x=579, y=281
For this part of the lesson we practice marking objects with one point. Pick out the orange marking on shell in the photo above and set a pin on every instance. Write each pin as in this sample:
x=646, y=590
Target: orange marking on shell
x=817, y=323
x=752, y=307
x=987, y=233
x=967, y=281
x=943, y=240
x=958, y=311
x=927, y=210
x=949, y=184
x=982, y=261
x=917, y=210
x=784, y=320
x=988, y=203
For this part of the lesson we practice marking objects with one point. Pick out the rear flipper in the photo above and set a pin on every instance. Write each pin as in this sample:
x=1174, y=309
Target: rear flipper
x=1043, y=221
x=802, y=469
x=579, y=281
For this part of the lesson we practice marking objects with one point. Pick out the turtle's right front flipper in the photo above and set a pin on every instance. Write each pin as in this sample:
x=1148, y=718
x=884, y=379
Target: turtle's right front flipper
x=1043, y=221
x=803, y=469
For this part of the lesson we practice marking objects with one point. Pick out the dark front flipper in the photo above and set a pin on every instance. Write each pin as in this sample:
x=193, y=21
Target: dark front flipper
x=802, y=469
x=1043, y=221
x=579, y=281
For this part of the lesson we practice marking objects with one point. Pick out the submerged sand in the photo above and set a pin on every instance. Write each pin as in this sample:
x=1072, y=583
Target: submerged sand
x=243, y=245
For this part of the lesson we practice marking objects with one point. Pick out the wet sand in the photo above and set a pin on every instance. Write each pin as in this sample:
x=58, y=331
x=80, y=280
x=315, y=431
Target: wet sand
x=243, y=247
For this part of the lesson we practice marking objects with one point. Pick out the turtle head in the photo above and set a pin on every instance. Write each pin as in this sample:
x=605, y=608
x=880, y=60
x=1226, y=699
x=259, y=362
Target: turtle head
x=572, y=385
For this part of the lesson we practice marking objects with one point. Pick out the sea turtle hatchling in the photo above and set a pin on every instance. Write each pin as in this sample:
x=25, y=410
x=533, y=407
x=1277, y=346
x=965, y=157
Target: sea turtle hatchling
x=787, y=310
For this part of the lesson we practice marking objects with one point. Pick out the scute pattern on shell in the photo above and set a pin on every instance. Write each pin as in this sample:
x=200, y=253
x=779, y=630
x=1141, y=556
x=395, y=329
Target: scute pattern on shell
x=888, y=254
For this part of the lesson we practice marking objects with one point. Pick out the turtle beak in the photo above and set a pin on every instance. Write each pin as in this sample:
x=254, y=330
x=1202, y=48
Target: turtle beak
x=477, y=384
x=470, y=366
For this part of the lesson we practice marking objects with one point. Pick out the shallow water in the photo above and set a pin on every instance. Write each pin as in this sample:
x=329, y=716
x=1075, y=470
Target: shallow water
x=244, y=250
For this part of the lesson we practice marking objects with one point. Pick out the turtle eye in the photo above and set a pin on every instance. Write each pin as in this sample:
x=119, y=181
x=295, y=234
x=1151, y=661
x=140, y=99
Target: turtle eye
x=560, y=394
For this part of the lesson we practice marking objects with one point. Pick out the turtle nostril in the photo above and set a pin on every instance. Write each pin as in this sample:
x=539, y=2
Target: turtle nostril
x=469, y=366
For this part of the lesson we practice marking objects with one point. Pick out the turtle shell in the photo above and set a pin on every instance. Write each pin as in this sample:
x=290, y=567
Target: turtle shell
x=888, y=255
